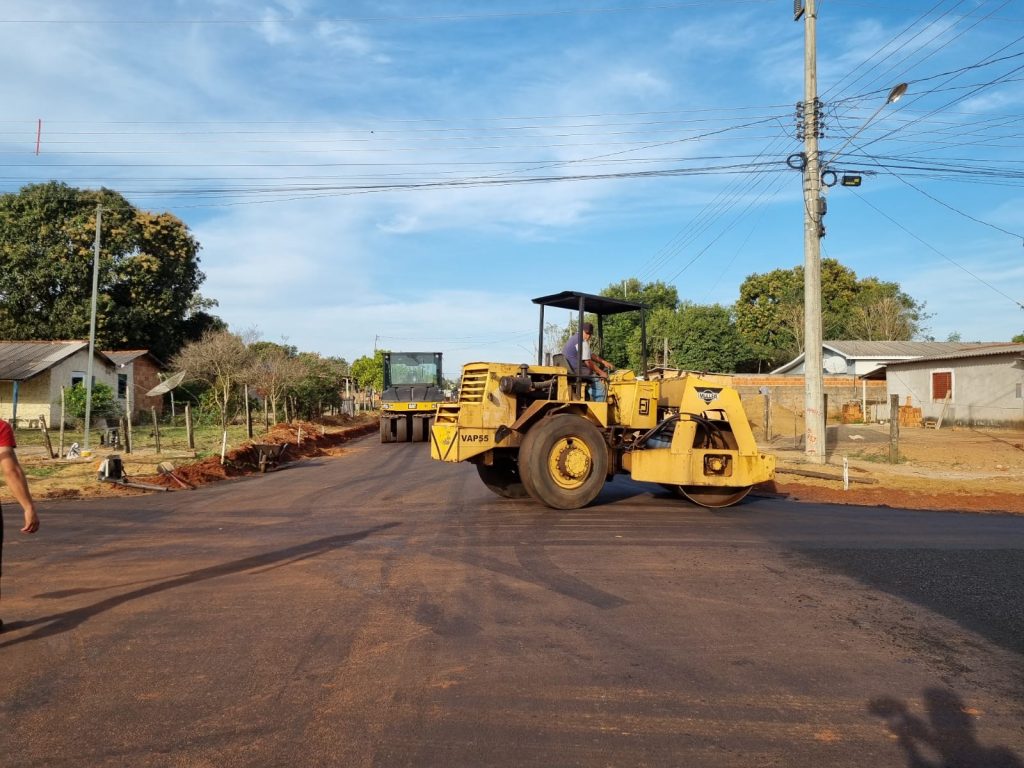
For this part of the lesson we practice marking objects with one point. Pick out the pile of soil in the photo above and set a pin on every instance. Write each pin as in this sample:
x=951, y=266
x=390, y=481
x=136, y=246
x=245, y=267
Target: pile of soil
x=303, y=439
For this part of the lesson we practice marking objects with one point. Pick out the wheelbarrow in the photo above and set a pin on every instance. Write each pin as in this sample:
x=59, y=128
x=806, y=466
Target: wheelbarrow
x=269, y=455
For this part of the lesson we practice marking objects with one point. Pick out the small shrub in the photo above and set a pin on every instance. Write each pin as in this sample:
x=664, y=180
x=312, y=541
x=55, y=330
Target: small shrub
x=104, y=404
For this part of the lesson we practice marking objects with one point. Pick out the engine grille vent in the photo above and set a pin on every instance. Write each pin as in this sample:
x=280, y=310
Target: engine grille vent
x=473, y=382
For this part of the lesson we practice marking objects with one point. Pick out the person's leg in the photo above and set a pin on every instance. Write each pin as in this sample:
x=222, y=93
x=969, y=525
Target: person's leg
x=1, y=559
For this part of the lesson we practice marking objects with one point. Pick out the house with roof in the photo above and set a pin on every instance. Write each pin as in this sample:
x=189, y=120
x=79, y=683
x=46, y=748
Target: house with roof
x=859, y=358
x=983, y=386
x=138, y=371
x=33, y=372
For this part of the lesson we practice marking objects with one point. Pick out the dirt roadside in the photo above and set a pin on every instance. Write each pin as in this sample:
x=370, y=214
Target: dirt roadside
x=967, y=470
x=959, y=469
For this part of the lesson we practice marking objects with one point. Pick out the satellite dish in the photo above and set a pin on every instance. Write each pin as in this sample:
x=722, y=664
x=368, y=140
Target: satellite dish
x=835, y=364
x=167, y=384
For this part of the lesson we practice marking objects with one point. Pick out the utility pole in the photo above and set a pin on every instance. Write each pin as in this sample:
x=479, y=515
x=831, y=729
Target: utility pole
x=814, y=209
x=92, y=328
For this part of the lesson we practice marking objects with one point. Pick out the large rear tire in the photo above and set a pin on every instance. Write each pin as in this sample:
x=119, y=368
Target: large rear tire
x=502, y=477
x=419, y=429
x=402, y=429
x=563, y=461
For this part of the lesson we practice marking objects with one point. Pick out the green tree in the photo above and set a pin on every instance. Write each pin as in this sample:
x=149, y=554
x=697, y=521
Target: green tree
x=148, y=274
x=369, y=371
x=319, y=385
x=709, y=340
x=1018, y=339
x=220, y=359
x=273, y=369
x=103, y=404
x=770, y=317
x=699, y=338
x=620, y=344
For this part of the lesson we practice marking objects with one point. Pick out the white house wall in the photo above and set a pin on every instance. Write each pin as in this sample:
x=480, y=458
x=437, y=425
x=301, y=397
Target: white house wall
x=984, y=390
x=40, y=395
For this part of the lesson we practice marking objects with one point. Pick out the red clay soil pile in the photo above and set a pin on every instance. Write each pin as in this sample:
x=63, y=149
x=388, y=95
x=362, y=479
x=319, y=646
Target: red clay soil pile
x=303, y=438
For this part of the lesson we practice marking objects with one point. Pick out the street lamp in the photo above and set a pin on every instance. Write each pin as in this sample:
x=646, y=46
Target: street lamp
x=894, y=95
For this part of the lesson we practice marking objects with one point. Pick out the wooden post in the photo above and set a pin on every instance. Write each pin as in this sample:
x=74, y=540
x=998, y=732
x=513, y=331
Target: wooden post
x=122, y=432
x=767, y=415
x=188, y=427
x=46, y=436
x=894, y=429
x=156, y=428
x=945, y=405
x=248, y=414
x=129, y=443
x=266, y=414
x=60, y=450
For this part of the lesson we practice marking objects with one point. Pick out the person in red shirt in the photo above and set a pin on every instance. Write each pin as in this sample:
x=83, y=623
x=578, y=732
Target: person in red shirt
x=14, y=476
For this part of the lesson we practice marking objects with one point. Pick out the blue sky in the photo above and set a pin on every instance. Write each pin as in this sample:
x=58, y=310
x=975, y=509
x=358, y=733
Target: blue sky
x=410, y=174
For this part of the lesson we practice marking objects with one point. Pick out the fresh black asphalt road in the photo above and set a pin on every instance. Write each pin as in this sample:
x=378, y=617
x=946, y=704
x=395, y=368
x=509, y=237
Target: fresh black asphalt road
x=382, y=609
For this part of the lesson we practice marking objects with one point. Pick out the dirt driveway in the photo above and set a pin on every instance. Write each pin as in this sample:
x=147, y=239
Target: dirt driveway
x=959, y=469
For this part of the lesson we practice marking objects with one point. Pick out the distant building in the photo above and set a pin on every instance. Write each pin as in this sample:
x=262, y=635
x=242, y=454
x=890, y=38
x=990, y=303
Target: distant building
x=138, y=371
x=858, y=358
x=971, y=387
x=33, y=372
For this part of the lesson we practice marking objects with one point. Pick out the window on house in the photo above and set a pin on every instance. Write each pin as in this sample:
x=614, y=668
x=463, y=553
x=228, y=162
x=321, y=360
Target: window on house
x=122, y=386
x=77, y=377
x=942, y=385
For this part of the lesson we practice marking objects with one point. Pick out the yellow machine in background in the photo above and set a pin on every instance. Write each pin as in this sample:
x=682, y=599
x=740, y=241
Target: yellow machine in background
x=412, y=389
x=530, y=430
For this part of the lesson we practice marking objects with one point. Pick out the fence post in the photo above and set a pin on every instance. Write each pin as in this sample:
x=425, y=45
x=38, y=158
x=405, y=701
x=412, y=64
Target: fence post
x=248, y=414
x=46, y=436
x=60, y=450
x=129, y=438
x=767, y=415
x=894, y=429
x=156, y=428
x=190, y=435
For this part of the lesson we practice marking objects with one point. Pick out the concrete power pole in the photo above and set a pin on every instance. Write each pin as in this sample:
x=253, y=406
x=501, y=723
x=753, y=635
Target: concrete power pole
x=92, y=327
x=814, y=209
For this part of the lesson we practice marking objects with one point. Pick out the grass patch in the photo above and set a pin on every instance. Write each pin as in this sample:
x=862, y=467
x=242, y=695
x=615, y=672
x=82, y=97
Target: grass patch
x=42, y=470
x=207, y=438
x=878, y=458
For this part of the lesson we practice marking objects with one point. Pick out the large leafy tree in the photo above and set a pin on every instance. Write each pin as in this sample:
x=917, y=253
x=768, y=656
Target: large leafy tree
x=708, y=339
x=770, y=311
x=320, y=385
x=620, y=344
x=697, y=337
x=369, y=371
x=149, y=273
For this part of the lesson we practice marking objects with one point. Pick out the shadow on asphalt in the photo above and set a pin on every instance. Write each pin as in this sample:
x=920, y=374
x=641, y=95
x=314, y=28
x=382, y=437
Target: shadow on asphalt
x=948, y=732
x=55, y=624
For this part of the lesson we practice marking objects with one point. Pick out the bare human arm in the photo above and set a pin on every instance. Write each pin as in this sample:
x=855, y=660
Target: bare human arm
x=14, y=476
x=598, y=365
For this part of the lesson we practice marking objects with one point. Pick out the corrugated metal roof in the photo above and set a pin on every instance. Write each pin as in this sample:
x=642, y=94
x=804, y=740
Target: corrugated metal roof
x=991, y=349
x=21, y=360
x=895, y=349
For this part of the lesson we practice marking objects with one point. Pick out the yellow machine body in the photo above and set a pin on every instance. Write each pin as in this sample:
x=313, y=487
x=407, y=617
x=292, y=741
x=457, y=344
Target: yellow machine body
x=688, y=433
